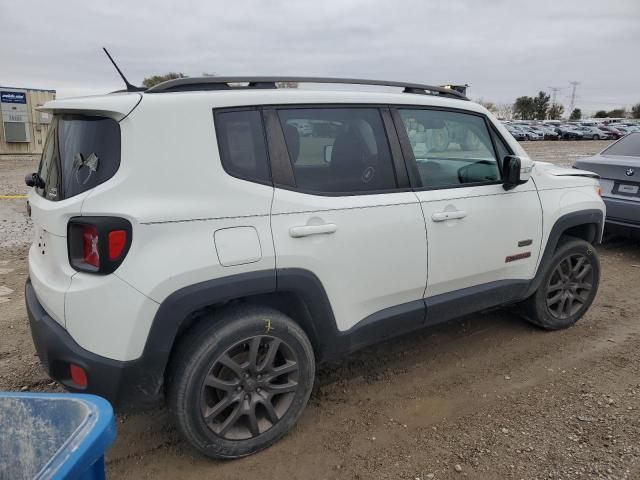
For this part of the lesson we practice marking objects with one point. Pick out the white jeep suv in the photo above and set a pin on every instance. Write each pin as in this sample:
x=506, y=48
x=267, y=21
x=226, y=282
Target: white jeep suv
x=209, y=241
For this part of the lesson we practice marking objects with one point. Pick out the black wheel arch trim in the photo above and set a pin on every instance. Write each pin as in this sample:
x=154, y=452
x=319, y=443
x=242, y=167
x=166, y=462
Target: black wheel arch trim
x=560, y=227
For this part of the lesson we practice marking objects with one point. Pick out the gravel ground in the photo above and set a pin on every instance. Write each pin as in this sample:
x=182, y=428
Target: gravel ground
x=487, y=396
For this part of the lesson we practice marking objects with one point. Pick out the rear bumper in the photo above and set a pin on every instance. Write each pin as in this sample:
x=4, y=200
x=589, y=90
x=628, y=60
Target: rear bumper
x=623, y=212
x=124, y=384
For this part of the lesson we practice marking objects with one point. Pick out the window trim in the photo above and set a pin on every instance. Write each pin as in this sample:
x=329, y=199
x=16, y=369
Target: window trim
x=283, y=174
x=249, y=108
x=407, y=150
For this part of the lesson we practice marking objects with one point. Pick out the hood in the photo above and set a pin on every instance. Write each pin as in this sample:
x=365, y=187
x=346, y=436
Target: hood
x=556, y=171
x=613, y=167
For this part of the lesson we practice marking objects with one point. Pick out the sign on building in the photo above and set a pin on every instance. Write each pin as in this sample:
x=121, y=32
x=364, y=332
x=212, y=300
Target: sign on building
x=15, y=116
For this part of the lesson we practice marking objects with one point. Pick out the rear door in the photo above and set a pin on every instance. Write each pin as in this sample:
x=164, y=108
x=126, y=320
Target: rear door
x=479, y=235
x=343, y=211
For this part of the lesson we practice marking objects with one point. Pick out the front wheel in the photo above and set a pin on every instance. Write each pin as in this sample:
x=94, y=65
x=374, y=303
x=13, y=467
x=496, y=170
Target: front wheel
x=568, y=287
x=240, y=380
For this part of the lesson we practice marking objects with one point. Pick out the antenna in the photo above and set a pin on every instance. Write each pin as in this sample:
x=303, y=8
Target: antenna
x=130, y=88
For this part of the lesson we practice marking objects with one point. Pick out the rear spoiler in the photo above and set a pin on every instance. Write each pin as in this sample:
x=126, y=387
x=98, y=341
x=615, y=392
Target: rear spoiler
x=116, y=106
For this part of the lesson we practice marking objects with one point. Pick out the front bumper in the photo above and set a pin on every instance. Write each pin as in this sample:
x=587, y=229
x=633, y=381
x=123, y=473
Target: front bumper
x=124, y=384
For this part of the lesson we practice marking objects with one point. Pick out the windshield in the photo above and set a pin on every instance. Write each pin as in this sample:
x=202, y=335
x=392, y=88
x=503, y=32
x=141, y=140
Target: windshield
x=80, y=152
x=628, y=146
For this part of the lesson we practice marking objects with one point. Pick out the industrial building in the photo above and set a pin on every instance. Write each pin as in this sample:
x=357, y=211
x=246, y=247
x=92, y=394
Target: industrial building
x=24, y=129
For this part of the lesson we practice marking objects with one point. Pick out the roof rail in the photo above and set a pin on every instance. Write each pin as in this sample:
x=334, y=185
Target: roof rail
x=225, y=83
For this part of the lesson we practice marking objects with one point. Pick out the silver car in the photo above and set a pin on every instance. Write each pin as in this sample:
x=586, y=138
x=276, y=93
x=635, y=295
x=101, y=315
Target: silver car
x=619, y=168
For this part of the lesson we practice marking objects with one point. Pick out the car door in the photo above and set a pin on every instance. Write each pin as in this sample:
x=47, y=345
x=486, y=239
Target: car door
x=343, y=211
x=481, y=238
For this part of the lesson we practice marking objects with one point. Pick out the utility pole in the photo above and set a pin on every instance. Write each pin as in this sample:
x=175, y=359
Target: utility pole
x=572, y=105
x=554, y=92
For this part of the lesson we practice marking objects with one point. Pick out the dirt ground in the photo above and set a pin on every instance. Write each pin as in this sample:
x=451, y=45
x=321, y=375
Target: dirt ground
x=487, y=396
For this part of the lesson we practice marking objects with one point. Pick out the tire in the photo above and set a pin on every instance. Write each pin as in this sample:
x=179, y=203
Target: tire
x=559, y=301
x=596, y=137
x=253, y=397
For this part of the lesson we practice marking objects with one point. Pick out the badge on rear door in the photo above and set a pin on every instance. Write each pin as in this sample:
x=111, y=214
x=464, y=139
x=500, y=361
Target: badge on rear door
x=630, y=172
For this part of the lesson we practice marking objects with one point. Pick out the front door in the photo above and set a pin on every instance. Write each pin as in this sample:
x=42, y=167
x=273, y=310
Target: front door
x=478, y=234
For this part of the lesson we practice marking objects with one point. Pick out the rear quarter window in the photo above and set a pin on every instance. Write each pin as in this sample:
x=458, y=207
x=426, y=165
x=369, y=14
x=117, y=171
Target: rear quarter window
x=80, y=153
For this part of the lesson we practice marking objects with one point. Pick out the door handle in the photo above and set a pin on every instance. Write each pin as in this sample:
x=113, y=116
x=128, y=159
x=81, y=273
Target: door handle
x=442, y=216
x=307, y=230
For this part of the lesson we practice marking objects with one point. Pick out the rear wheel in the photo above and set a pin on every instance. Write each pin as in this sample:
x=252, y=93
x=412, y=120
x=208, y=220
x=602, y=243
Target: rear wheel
x=596, y=137
x=568, y=287
x=240, y=380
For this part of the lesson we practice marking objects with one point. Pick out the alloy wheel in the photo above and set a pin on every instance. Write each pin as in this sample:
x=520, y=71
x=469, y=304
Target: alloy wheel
x=249, y=388
x=570, y=285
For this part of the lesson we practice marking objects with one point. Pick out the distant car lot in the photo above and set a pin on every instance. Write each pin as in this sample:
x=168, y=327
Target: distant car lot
x=533, y=130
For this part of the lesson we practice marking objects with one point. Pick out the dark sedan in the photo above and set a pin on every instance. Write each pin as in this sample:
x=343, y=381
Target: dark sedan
x=619, y=168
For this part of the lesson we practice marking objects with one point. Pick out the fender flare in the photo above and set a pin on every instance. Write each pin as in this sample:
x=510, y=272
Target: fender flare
x=174, y=310
x=565, y=222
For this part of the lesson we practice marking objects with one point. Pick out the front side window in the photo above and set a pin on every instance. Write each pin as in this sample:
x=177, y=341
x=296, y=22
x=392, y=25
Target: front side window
x=243, y=149
x=338, y=150
x=450, y=148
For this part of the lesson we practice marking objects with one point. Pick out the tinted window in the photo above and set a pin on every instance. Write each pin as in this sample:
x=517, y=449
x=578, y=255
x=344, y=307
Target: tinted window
x=450, y=148
x=338, y=149
x=628, y=146
x=242, y=146
x=80, y=153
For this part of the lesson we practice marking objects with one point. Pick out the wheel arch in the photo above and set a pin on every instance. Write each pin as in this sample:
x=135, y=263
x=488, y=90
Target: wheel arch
x=587, y=225
x=297, y=293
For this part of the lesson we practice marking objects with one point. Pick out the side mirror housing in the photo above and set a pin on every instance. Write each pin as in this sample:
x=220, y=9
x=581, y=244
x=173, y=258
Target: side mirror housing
x=33, y=180
x=515, y=171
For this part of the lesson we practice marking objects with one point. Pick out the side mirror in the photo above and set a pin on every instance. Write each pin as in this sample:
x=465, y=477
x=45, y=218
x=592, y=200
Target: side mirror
x=328, y=151
x=33, y=180
x=511, y=172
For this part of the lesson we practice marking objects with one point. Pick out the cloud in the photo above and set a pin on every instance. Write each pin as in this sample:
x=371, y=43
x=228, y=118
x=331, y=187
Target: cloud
x=502, y=48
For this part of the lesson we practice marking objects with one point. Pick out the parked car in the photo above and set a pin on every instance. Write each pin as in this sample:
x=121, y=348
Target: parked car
x=219, y=283
x=614, y=133
x=569, y=133
x=517, y=133
x=619, y=168
x=593, y=133
x=531, y=133
x=546, y=132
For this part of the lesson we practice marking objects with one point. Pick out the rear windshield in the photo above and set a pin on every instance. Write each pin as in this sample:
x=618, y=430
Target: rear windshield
x=628, y=146
x=80, y=153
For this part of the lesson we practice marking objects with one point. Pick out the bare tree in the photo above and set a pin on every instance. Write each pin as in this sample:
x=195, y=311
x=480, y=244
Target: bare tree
x=504, y=111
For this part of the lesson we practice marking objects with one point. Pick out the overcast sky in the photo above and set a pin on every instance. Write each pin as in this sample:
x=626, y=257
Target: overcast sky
x=501, y=48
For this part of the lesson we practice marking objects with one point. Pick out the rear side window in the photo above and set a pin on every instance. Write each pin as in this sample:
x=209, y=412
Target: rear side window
x=451, y=148
x=338, y=150
x=80, y=153
x=242, y=145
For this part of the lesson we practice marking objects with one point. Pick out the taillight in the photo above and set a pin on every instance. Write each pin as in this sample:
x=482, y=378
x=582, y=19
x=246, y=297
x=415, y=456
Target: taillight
x=90, y=253
x=98, y=244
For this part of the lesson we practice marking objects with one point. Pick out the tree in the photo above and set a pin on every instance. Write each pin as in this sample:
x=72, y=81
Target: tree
x=635, y=111
x=504, y=111
x=576, y=114
x=541, y=104
x=617, y=113
x=524, y=108
x=555, y=112
x=488, y=105
x=156, y=79
x=600, y=114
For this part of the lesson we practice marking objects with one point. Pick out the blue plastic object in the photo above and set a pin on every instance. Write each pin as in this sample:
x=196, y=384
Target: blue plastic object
x=54, y=435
